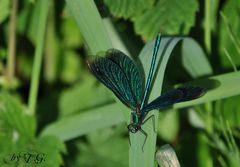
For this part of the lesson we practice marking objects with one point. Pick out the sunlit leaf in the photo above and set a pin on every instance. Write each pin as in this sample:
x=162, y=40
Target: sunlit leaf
x=128, y=8
x=171, y=17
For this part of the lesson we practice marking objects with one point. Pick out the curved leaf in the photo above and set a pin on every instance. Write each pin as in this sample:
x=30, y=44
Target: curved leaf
x=192, y=53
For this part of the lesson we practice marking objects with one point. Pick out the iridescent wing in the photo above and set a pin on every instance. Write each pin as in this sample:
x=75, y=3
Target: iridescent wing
x=175, y=96
x=191, y=93
x=120, y=74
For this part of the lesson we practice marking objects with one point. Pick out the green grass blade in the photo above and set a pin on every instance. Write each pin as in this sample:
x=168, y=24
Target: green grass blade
x=137, y=156
x=90, y=23
x=83, y=123
x=217, y=87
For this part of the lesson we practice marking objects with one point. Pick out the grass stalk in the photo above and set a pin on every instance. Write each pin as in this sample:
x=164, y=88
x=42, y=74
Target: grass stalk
x=207, y=26
x=38, y=55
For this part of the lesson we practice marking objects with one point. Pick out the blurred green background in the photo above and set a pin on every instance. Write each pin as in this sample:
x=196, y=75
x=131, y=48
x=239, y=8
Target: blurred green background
x=53, y=112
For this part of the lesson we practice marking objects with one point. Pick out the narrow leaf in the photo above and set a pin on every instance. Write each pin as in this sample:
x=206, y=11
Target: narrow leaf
x=89, y=21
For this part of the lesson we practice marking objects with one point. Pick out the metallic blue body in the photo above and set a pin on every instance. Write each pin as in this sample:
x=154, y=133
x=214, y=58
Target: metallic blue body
x=150, y=74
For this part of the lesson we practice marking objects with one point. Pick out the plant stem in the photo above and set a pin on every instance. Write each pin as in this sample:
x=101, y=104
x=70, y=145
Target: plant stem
x=44, y=5
x=12, y=43
x=207, y=26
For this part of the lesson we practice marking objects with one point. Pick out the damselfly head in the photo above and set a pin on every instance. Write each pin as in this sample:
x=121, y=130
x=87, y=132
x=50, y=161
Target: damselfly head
x=133, y=128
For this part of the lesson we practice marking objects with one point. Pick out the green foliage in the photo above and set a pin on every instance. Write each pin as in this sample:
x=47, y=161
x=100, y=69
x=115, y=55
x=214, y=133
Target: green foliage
x=129, y=9
x=52, y=147
x=230, y=33
x=70, y=68
x=230, y=111
x=107, y=147
x=77, y=97
x=16, y=118
x=167, y=17
x=226, y=145
x=69, y=30
x=5, y=9
x=168, y=125
x=17, y=137
x=71, y=65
